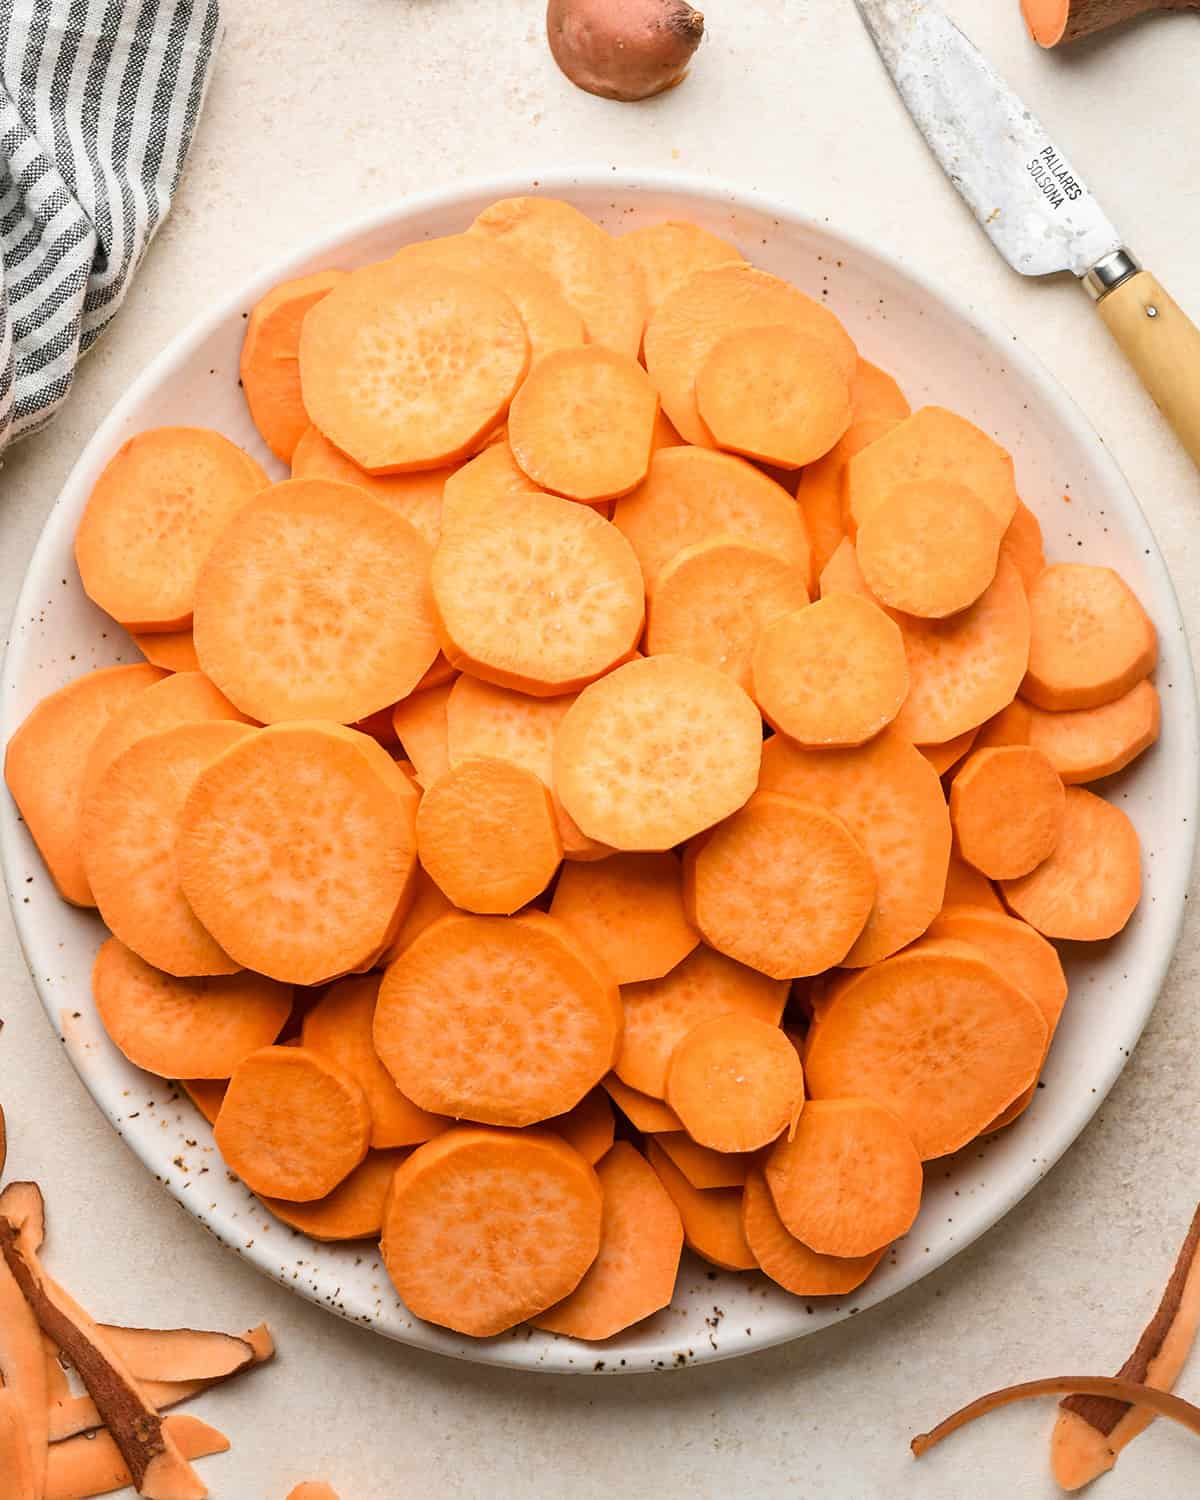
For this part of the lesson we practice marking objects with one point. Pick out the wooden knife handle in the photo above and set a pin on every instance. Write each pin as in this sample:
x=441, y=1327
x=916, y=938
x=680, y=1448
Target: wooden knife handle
x=1163, y=345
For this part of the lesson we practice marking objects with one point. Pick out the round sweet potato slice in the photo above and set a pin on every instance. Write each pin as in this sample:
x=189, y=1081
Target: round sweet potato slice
x=656, y=752
x=316, y=605
x=162, y=501
x=410, y=368
x=292, y=1124
x=202, y=1028
x=537, y=594
x=890, y=798
x=496, y=1019
x=522, y=1204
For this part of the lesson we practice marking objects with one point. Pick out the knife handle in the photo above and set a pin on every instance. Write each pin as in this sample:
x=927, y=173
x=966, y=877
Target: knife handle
x=1163, y=345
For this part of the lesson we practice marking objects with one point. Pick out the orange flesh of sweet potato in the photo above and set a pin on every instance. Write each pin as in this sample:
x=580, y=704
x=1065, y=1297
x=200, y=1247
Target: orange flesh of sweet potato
x=1007, y=807
x=538, y=594
x=182, y=698
x=45, y=761
x=643, y=1111
x=417, y=497
x=692, y=319
x=172, y=650
x=168, y=1026
x=832, y=674
x=1088, y=743
x=890, y=798
x=410, y=367
x=247, y=850
x=633, y=1275
x=657, y=751
x=154, y=516
x=938, y=1037
x=582, y=424
x=774, y=395
x=588, y=1127
x=661, y=1012
x=270, y=360
x=496, y=1019
x=596, y=273
x=130, y=828
x=488, y=836
x=341, y=1027
x=712, y=1219
x=525, y=1204
x=702, y=1166
x=691, y=496
x=787, y=1261
x=782, y=886
x=353, y=1210
x=629, y=908
x=848, y=1181
x=292, y=1124
x=736, y=1083
x=1091, y=639
x=670, y=252
x=290, y=620
x=1089, y=886
x=550, y=321
x=713, y=601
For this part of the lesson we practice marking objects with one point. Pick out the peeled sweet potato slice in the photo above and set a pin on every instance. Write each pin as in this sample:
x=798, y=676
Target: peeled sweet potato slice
x=293, y=1124
x=693, y=318
x=594, y=272
x=167, y=1026
x=1090, y=885
x=410, y=367
x=934, y=1034
x=292, y=618
x=269, y=366
x=525, y=1204
x=890, y=798
x=633, y=1275
x=496, y=1019
x=661, y=1012
x=789, y=1262
x=44, y=766
x=712, y=1218
x=353, y=1210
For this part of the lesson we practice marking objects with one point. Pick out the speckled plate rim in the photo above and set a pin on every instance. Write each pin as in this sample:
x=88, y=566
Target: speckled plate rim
x=663, y=1341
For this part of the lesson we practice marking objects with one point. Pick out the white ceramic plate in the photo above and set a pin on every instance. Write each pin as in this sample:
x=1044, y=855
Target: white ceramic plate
x=940, y=351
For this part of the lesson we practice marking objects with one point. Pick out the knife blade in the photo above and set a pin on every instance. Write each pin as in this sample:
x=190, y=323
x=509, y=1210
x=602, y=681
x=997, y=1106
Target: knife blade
x=1033, y=205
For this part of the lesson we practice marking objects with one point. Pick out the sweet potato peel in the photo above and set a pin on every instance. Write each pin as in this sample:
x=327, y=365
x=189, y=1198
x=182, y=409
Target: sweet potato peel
x=167, y=1354
x=145, y=1444
x=1091, y=1430
x=1162, y=1403
x=91, y=1464
x=16, y=1463
x=178, y=1350
x=23, y=1364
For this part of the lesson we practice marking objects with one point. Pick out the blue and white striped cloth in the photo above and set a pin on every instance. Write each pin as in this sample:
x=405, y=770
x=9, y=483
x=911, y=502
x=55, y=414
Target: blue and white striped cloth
x=98, y=103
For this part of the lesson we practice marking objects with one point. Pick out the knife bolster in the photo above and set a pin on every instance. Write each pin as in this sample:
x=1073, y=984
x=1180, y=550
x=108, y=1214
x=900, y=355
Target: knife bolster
x=1110, y=273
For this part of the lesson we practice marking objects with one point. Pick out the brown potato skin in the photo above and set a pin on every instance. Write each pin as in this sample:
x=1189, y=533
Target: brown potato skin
x=623, y=49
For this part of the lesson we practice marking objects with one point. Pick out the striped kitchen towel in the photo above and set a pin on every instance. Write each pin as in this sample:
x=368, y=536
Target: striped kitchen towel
x=98, y=102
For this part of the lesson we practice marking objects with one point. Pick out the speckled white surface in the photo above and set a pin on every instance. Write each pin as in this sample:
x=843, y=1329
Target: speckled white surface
x=312, y=118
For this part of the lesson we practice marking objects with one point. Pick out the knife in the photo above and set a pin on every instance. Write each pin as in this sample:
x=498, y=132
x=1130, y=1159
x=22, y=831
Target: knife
x=1030, y=201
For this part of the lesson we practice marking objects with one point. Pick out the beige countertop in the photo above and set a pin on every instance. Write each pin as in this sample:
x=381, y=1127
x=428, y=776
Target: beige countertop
x=318, y=113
